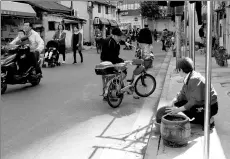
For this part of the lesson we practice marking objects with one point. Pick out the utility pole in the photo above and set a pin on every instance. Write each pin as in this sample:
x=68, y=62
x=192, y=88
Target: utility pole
x=185, y=29
x=208, y=81
x=192, y=32
x=178, y=13
x=90, y=11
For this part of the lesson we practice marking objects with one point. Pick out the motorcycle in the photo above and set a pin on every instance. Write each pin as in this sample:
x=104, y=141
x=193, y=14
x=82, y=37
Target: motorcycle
x=9, y=67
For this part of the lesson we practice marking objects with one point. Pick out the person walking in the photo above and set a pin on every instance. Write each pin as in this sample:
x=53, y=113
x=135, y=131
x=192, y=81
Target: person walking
x=60, y=36
x=155, y=34
x=76, y=44
x=163, y=38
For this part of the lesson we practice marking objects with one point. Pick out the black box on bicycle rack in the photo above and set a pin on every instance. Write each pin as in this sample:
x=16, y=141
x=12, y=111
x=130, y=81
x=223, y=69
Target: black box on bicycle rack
x=105, y=69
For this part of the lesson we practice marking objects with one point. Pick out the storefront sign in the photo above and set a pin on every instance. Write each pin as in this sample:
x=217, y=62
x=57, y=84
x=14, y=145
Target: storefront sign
x=131, y=13
x=124, y=13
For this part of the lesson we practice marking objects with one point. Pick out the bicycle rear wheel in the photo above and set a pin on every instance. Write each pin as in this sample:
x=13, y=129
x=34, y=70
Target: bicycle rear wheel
x=145, y=81
x=114, y=97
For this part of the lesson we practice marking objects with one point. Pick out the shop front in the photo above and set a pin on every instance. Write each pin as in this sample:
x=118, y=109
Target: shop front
x=112, y=25
x=13, y=15
x=101, y=24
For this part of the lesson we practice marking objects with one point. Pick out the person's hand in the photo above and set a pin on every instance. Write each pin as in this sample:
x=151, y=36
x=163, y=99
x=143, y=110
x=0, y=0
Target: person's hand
x=172, y=110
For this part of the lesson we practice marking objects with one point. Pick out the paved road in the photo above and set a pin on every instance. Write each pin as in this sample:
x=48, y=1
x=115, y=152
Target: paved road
x=64, y=117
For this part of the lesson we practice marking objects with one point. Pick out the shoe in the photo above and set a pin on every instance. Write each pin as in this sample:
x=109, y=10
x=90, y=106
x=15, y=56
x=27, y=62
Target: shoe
x=81, y=61
x=18, y=77
x=212, y=125
x=136, y=97
x=129, y=80
x=63, y=62
x=39, y=75
x=105, y=99
x=74, y=62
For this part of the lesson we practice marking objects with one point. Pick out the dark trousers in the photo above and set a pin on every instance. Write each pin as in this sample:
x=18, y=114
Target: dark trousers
x=62, y=51
x=30, y=60
x=163, y=45
x=155, y=37
x=197, y=111
x=75, y=52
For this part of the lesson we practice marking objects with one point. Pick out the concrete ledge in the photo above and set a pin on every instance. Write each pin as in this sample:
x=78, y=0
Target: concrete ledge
x=134, y=146
x=157, y=150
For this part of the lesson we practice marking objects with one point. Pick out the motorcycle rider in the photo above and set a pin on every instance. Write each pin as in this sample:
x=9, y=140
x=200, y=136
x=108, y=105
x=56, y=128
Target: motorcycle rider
x=36, y=46
x=111, y=51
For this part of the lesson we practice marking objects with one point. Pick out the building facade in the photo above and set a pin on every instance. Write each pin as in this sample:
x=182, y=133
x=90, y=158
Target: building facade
x=222, y=23
x=45, y=16
x=98, y=15
x=13, y=15
x=130, y=15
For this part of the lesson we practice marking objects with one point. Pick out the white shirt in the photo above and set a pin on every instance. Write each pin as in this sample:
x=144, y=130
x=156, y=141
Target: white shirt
x=186, y=78
x=36, y=42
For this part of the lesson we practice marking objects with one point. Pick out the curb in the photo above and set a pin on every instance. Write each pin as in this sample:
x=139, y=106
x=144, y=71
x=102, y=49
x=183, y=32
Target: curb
x=136, y=143
x=163, y=98
x=156, y=148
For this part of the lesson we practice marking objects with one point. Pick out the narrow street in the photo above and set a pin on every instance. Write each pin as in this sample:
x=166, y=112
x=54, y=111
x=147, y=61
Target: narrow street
x=65, y=116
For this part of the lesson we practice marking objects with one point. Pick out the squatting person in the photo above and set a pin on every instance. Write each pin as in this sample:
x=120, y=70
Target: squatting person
x=191, y=99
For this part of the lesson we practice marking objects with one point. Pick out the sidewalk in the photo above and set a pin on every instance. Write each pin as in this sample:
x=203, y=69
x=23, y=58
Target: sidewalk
x=85, y=48
x=219, y=138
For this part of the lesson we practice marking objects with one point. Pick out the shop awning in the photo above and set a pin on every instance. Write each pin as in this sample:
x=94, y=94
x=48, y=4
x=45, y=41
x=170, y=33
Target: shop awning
x=17, y=9
x=113, y=23
x=102, y=21
x=69, y=21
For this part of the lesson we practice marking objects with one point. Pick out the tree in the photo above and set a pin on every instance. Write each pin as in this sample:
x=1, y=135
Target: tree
x=150, y=9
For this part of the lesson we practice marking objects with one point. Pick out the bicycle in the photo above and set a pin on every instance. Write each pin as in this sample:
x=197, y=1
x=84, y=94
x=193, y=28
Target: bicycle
x=117, y=85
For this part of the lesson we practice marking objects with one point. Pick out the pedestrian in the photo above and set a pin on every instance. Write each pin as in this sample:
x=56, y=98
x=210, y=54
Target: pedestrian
x=36, y=45
x=163, y=38
x=155, y=34
x=77, y=44
x=191, y=99
x=60, y=36
x=23, y=40
x=145, y=40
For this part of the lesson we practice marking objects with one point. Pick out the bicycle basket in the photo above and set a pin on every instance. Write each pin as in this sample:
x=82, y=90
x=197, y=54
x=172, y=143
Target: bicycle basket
x=105, y=69
x=148, y=63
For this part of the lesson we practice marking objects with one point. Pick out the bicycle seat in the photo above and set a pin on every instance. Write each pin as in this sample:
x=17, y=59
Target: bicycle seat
x=120, y=66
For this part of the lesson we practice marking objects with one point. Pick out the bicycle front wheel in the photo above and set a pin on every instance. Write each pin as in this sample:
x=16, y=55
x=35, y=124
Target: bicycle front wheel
x=145, y=85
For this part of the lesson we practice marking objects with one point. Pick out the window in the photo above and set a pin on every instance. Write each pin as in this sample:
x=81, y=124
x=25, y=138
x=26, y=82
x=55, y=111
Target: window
x=51, y=25
x=67, y=26
x=99, y=8
x=114, y=12
x=106, y=9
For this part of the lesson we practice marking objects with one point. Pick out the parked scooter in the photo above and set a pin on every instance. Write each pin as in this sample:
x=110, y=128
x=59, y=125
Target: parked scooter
x=9, y=67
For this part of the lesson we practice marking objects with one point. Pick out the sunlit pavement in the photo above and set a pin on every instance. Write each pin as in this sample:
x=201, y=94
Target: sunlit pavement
x=219, y=137
x=64, y=117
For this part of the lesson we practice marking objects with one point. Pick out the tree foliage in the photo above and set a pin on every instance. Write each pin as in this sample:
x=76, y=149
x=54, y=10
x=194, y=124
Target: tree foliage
x=150, y=9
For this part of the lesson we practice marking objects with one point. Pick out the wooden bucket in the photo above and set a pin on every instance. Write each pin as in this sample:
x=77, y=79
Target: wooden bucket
x=175, y=130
